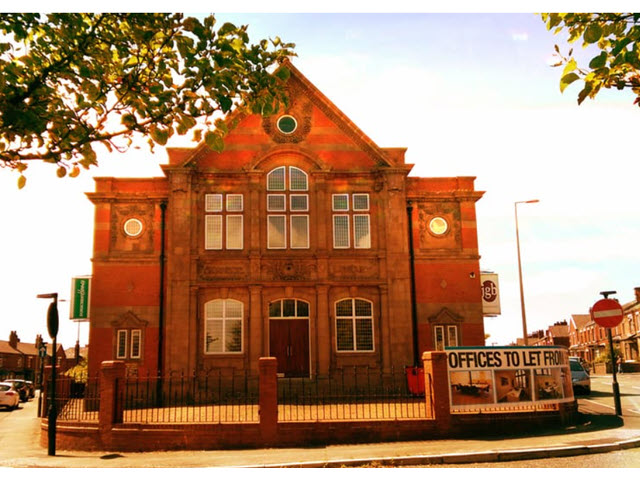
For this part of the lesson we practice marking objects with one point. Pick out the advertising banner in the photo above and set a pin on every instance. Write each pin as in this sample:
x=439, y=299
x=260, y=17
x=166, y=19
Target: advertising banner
x=79, y=308
x=490, y=294
x=501, y=378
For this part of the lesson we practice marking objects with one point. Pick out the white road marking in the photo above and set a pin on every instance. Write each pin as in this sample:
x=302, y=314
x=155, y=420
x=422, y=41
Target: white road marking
x=601, y=404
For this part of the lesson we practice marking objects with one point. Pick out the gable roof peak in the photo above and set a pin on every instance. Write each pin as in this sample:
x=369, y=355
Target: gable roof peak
x=299, y=84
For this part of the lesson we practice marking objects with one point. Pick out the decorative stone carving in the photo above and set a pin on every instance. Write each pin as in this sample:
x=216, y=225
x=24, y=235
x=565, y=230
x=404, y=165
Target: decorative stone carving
x=129, y=320
x=120, y=241
x=446, y=316
x=348, y=270
x=300, y=108
x=378, y=182
x=217, y=271
x=289, y=270
x=450, y=211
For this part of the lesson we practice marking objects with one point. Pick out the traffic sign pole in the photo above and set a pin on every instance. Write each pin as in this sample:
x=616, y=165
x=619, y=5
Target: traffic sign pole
x=52, y=327
x=614, y=383
x=608, y=313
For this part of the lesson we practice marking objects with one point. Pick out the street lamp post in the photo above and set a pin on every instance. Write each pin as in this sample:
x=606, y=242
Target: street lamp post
x=52, y=327
x=524, y=316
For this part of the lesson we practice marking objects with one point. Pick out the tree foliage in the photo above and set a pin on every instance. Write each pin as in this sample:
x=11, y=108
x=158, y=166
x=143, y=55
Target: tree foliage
x=69, y=82
x=615, y=37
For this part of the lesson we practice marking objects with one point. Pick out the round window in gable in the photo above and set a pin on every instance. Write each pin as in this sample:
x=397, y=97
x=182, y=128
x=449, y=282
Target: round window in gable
x=438, y=226
x=287, y=124
x=133, y=227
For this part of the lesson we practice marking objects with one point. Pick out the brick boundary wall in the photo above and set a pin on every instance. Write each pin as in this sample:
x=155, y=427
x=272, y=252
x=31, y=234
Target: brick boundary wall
x=110, y=434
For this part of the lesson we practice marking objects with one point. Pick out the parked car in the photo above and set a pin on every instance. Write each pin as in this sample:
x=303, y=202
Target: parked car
x=9, y=397
x=19, y=386
x=579, y=376
x=31, y=389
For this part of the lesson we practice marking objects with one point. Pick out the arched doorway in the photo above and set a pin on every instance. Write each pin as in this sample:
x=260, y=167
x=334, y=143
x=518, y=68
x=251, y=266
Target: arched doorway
x=289, y=336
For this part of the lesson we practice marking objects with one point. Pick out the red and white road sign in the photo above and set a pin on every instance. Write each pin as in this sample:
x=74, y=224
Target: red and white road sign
x=607, y=313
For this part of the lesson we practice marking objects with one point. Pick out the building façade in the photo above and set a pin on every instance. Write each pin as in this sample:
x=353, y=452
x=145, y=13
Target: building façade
x=302, y=240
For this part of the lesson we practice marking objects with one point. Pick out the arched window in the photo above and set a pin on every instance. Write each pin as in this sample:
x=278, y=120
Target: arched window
x=276, y=180
x=287, y=210
x=223, y=326
x=354, y=325
x=297, y=180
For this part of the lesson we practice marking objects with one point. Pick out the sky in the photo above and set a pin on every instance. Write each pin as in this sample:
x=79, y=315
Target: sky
x=468, y=94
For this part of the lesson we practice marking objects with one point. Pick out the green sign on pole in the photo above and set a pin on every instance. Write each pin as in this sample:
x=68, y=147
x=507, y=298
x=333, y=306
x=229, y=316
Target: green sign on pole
x=80, y=288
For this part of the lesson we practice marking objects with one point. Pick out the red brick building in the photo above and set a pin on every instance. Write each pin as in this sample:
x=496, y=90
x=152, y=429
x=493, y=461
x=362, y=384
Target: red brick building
x=293, y=242
x=22, y=360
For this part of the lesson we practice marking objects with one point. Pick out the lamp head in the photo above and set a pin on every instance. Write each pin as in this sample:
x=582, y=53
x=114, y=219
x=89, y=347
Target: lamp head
x=48, y=295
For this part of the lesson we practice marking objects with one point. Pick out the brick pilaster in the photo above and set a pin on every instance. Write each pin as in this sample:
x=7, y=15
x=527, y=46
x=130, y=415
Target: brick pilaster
x=112, y=377
x=268, y=367
x=436, y=383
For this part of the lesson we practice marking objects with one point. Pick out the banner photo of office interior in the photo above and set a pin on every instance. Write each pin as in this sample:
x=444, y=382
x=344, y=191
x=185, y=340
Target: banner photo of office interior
x=504, y=378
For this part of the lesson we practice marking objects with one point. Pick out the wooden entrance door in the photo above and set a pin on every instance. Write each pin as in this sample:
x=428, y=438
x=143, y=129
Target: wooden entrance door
x=289, y=343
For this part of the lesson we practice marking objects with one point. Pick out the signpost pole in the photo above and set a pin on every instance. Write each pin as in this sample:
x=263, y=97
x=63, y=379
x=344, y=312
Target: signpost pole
x=53, y=413
x=608, y=313
x=616, y=387
x=52, y=327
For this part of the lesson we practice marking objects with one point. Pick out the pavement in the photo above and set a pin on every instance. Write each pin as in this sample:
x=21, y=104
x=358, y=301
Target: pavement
x=594, y=433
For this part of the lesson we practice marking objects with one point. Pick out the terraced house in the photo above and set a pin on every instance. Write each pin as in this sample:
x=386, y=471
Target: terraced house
x=589, y=340
x=303, y=240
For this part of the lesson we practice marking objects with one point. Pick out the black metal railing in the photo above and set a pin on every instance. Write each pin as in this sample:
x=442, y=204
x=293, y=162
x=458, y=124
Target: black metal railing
x=350, y=393
x=219, y=396
x=77, y=399
x=230, y=396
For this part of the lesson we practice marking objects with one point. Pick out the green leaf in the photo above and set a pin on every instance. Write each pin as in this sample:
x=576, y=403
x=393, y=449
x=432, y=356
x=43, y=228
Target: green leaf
x=221, y=125
x=592, y=33
x=584, y=93
x=569, y=67
x=214, y=141
x=158, y=135
x=128, y=120
x=598, y=61
x=225, y=103
x=568, y=80
x=226, y=29
x=283, y=73
x=619, y=45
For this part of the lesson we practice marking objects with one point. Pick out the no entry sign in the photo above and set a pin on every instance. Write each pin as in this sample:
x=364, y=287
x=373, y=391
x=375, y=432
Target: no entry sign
x=607, y=313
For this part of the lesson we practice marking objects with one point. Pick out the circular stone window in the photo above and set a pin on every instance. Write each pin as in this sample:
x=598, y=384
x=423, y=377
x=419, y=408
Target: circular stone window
x=133, y=227
x=438, y=226
x=287, y=124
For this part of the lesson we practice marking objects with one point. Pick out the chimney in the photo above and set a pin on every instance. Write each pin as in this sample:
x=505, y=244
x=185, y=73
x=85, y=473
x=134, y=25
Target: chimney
x=637, y=291
x=14, y=339
x=38, y=340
